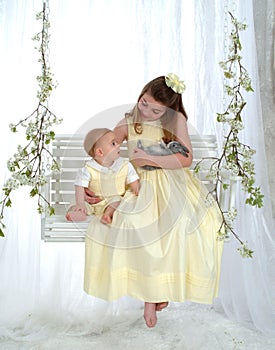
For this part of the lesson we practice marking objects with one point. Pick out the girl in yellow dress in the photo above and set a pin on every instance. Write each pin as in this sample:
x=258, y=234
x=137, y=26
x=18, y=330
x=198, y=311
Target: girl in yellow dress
x=161, y=246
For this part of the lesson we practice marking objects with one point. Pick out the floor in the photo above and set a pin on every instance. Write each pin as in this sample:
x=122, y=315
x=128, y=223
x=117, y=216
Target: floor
x=188, y=326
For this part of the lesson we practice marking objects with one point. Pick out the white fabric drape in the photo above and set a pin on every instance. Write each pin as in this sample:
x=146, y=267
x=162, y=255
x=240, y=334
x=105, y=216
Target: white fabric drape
x=102, y=53
x=246, y=290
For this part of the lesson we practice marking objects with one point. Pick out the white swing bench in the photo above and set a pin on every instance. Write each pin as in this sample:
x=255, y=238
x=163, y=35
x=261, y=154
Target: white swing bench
x=68, y=151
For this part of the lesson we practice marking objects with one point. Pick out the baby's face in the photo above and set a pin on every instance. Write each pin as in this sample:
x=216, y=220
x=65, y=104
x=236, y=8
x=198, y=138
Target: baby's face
x=109, y=146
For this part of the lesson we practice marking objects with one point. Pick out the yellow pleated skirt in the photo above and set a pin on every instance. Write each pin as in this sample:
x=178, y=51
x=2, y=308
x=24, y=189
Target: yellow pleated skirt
x=161, y=246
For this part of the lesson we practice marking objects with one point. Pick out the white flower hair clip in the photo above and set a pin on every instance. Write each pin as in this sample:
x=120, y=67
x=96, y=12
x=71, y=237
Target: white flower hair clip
x=172, y=81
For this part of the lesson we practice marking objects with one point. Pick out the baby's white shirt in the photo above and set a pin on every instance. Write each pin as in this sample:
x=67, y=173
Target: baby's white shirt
x=83, y=176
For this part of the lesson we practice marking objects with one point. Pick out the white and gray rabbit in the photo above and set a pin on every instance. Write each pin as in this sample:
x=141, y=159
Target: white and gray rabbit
x=162, y=149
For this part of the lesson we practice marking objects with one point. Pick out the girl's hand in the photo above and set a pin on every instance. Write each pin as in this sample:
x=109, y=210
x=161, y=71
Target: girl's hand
x=171, y=161
x=91, y=198
x=140, y=157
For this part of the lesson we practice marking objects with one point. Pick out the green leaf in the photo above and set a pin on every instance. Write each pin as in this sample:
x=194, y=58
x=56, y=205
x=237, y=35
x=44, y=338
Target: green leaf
x=1, y=233
x=228, y=75
x=249, y=88
x=8, y=203
x=34, y=192
x=196, y=169
x=52, y=211
x=7, y=191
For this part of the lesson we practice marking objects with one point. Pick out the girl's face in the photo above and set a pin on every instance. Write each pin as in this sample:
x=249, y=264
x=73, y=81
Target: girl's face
x=150, y=109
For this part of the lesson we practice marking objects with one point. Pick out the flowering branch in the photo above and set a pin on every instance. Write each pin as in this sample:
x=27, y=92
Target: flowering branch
x=235, y=159
x=27, y=165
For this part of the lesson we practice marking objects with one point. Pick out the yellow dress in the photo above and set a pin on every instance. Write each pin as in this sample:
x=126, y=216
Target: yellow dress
x=161, y=245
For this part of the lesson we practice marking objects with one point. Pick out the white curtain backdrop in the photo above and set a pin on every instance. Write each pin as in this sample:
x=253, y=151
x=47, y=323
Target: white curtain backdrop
x=102, y=53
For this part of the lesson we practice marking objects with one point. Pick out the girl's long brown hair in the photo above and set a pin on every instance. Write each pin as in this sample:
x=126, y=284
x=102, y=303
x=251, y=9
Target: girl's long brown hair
x=160, y=92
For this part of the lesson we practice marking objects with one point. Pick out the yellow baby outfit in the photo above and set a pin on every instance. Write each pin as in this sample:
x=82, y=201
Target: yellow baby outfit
x=161, y=245
x=110, y=186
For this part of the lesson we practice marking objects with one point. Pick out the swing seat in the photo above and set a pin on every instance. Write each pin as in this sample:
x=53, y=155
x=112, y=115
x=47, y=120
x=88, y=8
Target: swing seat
x=68, y=151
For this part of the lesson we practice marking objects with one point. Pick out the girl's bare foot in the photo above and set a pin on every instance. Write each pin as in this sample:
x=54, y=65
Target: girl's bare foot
x=76, y=216
x=150, y=315
x=161, y=306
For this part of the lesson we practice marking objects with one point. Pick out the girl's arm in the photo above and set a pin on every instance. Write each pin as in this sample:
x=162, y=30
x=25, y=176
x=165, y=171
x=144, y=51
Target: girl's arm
x=121, y=131
x=173, y=161
x=90, y=196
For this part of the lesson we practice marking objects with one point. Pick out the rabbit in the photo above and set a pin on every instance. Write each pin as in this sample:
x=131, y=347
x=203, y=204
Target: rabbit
x=163, y=149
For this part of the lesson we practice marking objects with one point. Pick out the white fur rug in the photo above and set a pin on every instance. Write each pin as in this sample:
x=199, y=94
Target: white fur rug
x=188, y=326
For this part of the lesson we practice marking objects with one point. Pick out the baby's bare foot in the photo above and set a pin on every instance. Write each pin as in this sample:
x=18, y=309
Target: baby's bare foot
x=150, y=315
x=161, y=306
x=76, y=216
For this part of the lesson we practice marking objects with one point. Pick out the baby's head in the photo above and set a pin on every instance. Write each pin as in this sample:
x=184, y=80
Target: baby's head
x=101, y=144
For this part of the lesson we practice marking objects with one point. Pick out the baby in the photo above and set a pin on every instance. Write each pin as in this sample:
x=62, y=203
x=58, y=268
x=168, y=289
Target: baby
x=106, y=174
